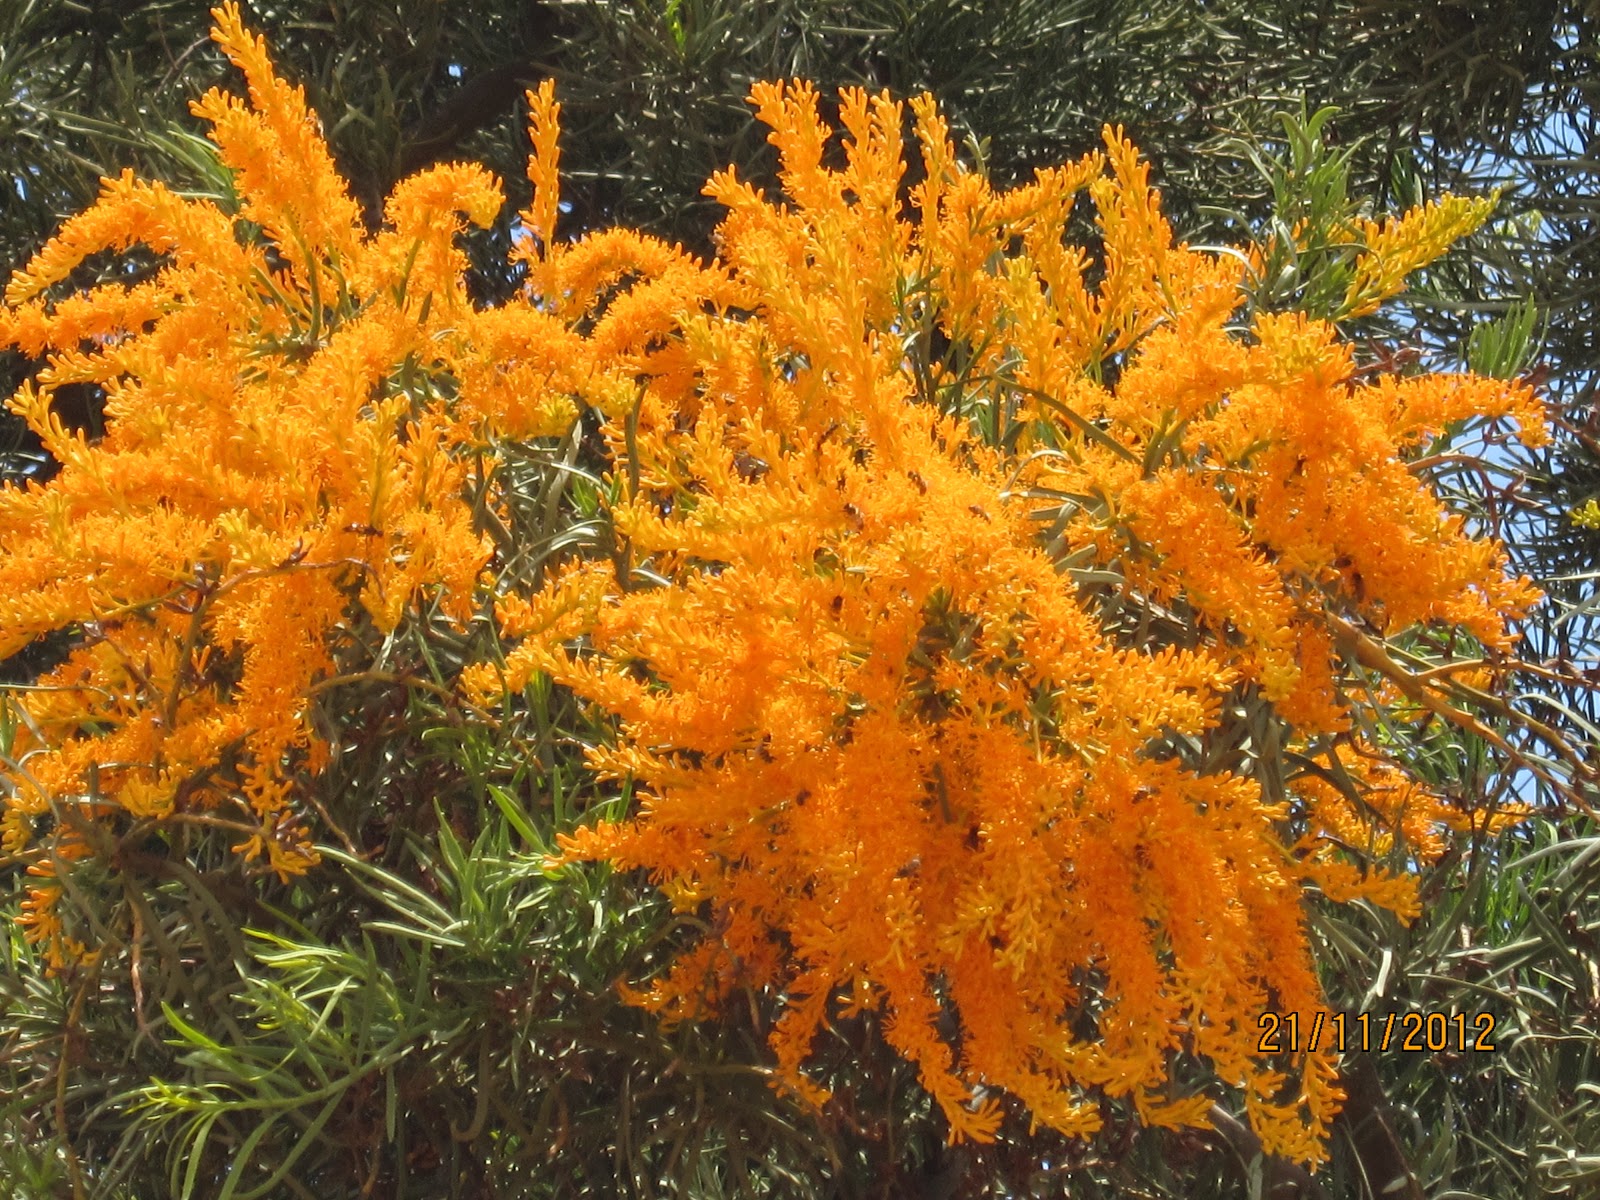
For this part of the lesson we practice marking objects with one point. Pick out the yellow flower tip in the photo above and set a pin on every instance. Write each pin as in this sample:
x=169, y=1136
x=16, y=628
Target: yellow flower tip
x=807, y=1091
x=226, y=21
x=292, y=860
x=977, y=1121
x=246, y=51
x=1189, y=1112
x=544, y=110
x=544, y=168
x=583, y=845
x=145, y=799
x=482, y=684
x=1397, y=246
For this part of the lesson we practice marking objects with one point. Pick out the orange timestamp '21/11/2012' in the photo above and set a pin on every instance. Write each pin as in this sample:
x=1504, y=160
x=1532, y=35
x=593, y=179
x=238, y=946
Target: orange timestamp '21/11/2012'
x=1412, y=1032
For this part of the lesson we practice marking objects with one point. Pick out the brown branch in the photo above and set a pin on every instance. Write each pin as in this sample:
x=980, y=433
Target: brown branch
x=1373, y=655
x=481, y=100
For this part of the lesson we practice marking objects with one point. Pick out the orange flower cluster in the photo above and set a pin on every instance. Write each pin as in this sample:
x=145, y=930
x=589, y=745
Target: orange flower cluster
x=875, y=726
x=292, y=409
x=882, y=719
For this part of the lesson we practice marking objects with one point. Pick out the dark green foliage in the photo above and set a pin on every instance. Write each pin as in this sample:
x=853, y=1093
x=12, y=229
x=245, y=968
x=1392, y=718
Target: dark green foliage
x=1511, y=928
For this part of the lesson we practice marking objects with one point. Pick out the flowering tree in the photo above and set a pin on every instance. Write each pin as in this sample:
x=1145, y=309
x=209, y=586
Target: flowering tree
x=931, y=698
x=995, y=633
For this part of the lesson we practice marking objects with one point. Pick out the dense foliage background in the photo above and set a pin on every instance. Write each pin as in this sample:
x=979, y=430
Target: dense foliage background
x=537, y=1080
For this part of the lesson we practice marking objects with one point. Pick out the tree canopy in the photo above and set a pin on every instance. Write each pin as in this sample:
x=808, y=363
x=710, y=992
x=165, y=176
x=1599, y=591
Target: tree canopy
x=1025, y=667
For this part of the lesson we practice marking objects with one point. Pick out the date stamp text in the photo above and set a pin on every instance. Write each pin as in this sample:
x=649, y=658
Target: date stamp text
x=1409, y=1032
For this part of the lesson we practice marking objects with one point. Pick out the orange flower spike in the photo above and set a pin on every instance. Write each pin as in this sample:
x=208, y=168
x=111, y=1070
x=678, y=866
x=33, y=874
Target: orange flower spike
x=1420, y=407
x=130, y=211
x=874, y=167
x=1138, y=241
x=789, y=110
x=940, y=166
x=544, y=172
x=287, y=179
x=1058, y=319
x=1397, y=246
